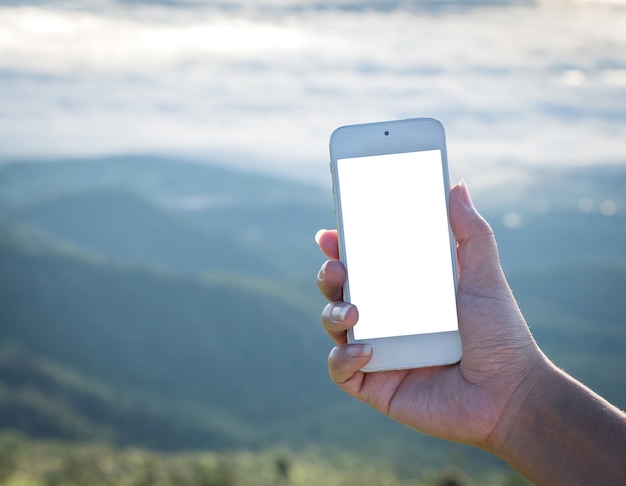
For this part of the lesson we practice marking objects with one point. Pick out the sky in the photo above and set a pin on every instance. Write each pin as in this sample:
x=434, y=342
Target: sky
x=261, y=84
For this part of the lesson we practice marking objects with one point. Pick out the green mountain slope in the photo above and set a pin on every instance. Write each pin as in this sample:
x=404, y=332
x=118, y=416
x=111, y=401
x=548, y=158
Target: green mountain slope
x=44, y=399
x=172, y=181
x=163, y=210
x=196, y=363
x=238, y=346
x=227, y=350
x=125, y=228
x=559, y=236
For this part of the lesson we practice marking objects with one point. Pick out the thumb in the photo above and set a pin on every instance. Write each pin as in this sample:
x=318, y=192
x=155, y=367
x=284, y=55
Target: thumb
x=477, y=252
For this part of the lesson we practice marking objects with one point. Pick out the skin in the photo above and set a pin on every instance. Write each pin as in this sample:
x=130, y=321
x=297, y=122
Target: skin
x=504, y=396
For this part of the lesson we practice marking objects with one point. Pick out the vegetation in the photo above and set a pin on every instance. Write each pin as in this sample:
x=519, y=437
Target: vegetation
x=149, y=308
x=44, y=463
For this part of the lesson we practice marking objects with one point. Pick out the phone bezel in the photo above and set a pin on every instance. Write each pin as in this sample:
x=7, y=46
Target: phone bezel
x=391, y=137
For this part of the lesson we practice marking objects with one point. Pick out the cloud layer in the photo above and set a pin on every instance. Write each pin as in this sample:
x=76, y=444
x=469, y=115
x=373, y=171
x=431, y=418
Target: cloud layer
x=516, y=85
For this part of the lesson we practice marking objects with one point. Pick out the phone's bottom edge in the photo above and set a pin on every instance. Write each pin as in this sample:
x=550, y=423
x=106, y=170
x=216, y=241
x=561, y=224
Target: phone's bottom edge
x=399, y=367
x=416, y=351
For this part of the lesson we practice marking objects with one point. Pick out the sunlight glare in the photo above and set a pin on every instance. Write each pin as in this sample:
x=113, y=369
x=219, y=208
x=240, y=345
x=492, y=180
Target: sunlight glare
x=608, y=208
x=512, y=220
x=39, y=37
x=228, y=37
x=614, y=77
x=574, y=77
x=37, y=21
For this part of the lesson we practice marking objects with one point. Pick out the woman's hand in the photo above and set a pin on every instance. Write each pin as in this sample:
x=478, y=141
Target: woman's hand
x=504, y=395
x=462, y=402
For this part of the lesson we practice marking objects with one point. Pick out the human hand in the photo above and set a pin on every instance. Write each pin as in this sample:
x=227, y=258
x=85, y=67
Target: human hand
x=462, y=402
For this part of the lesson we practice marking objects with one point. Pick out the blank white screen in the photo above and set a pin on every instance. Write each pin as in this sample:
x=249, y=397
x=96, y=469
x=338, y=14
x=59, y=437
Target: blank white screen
x=397, y=244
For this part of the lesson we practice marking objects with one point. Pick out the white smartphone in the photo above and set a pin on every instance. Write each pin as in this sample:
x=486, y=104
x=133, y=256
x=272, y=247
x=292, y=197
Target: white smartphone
x=391, y=189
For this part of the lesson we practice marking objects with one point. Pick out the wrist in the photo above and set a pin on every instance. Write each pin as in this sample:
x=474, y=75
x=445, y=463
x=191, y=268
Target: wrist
x=517, y=419
x=555, y=430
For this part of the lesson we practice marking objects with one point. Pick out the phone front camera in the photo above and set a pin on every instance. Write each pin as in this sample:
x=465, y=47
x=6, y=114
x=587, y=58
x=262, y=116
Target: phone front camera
x=386, y=132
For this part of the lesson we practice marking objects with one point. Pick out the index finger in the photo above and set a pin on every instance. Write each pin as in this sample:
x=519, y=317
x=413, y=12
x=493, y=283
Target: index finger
x=328, y=243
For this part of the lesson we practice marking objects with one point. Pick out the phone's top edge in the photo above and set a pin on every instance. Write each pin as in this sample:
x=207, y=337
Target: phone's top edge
x=378, y=123
x=365, y=138
x=403, y=120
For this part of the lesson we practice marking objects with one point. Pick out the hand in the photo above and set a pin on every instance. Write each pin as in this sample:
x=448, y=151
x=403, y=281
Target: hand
x=463, y=402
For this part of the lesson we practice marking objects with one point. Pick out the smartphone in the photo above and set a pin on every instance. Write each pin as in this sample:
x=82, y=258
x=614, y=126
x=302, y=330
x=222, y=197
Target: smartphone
x=391, y=189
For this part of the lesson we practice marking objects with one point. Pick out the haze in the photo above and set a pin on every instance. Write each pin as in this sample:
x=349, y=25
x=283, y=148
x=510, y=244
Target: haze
x=262, y=84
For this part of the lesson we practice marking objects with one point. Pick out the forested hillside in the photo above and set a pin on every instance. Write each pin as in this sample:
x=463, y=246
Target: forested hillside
x=173, y=306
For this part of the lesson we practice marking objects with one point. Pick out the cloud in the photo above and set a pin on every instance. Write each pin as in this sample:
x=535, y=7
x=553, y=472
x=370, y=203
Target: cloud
x=530, y=84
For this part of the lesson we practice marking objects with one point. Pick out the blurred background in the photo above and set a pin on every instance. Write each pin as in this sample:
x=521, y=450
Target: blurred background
x=164, y=167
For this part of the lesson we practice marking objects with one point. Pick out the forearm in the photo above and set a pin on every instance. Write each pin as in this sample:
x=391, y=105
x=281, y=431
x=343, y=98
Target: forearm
x=557, y=431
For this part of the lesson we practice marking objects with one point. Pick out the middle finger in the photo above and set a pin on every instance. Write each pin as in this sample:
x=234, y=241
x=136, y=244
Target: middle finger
x=330, y=280
x=337, y=318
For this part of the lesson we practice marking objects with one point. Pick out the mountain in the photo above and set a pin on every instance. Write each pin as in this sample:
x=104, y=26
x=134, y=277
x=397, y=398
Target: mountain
x=171, y=181
x=181, y=215
x=41, y=398
x=123, y=227
x=559, y=236
x=172, y=305
x=232, y=345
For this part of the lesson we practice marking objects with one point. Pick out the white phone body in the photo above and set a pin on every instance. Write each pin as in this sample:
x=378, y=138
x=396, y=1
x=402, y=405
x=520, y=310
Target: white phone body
x=391, y=189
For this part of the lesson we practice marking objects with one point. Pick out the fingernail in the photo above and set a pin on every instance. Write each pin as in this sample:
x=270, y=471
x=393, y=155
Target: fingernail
x=318, y=235
x=322, y=273
x=339, y=312
x=359, y=350
x=465, y=195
